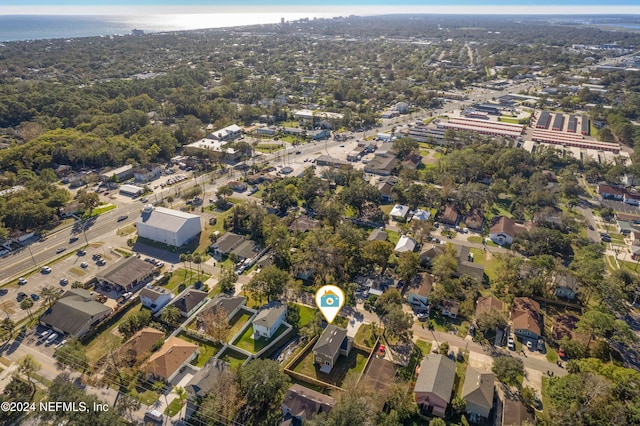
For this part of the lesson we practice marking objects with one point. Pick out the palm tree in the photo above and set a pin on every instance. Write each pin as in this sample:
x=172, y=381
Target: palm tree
x=190, y=259
x=170, y=315
x=49, y=294
x=183, y=259
x=158, y=387
x=182, y=395
x=197, y=259
x=26, y=305
x=29, y=366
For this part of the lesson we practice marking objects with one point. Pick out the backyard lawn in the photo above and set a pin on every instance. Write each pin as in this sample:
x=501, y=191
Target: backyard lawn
x=364, y=336
x=238, y=321
x=307, y=315
x=173, y=407
x=148, y=397
x=234, y=358
x=206, y=350
x=461, y=371
x=183, y=275
x=106, y=340
x=248, y=343
x=355, y=363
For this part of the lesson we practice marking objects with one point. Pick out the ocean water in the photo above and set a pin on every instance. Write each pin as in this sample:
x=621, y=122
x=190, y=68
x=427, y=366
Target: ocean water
x=37, y=27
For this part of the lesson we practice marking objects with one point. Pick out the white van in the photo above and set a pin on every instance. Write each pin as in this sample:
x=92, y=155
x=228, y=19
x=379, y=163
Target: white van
x=51, y=338
x=155, y=415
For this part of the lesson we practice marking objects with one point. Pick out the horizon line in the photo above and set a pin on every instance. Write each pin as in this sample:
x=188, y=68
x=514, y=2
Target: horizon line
x=549, y=10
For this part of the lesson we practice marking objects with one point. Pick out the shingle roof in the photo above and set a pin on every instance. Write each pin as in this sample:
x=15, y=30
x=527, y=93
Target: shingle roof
x=488, y=304
x=525, y=315
x=514, y=413
x=303, y=224
x=170, y=357
x=504, y=225
x=72, y=312
x=202, y=382
x=141, y=343
x=126, y=271
x=329, y=342
x=226, y=303
x=405, y=244
x=304, y=403
x=228, y=242
x=167, y=219
x=378, y=235
x=189, y=300
x=478, y=387
x=268, y=317
x=152, y=292
x=437, y=373
x=567, y=281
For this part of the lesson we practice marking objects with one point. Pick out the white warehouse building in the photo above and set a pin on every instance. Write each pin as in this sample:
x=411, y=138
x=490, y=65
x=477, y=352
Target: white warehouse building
x=171, y=227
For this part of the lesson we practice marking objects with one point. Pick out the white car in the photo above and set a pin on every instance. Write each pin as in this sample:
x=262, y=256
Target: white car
x=45, y=270
x=51, y=338
x=22, y=281
x=529, y=345
x=511, y=344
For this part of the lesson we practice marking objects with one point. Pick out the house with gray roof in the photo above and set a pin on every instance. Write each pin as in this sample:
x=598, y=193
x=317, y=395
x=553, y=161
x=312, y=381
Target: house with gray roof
x=225, y=244
x=190, y=301
x=478, y=391
x=155, y=298
x=268, y=320
x=75, y=313
x=566, y=286
x=405, y=244
x=301, y=403
x=378, y=235
x=332, y=343
x=230, y=305
x=126, y=274
x=203, y=382
x=434, y=384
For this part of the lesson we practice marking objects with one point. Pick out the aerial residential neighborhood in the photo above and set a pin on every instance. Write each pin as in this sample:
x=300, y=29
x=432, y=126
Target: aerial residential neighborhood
x=470, y=184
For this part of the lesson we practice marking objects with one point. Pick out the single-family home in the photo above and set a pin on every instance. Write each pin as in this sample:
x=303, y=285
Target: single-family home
x=378, y=235
x=268, y=320
x=301, y=403
x=190, y=301
x=526, y=318
x=225, y=244
x=429, y=253
x=419, y=291
x=385, y=186
x=449, y=216
x=477, y=391
x=303, y=224
x=422, y=215
x=399, y=212
x=381, y=164
x=154, y=298
x=515, y=413
x=405, y=244
x=566, y=286
x=434, y=383
x=488, y=305
x=148, y=172
x=203, y=382
x=632, y=198
x=75, y=313
x=167, y=361
x=332, y=343
x=230, y=305
x=450, y=308
x=237, y=186
x=503, y=230
x=475, y=220
x=467, y=265
x=139, y=346
x=611, y=192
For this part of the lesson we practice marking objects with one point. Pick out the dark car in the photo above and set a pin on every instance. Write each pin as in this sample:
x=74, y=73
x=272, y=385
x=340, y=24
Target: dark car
x=121, y=218
x=21, y=296
x=35, y=297
x=60, y=250
x=73, y=240
x=3, y=291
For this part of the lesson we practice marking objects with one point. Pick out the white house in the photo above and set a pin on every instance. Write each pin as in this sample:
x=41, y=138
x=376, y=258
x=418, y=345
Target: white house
x=405, y=244
x=419, y=291
x=171, y=227
x=268, y=320
x=399, y=212
x=228, y=133
x=155, y=298
x=420, y=214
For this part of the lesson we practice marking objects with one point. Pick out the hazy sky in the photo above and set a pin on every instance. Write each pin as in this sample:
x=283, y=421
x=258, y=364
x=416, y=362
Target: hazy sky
x=361, y=7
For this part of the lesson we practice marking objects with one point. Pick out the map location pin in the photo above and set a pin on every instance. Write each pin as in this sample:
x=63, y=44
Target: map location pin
x=330, y=299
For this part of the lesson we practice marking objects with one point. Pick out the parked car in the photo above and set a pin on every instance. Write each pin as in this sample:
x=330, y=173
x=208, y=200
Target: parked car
x=64, y=281
x=51, y=338
x=511, y=344
x=84, y=265
x=422, y=316
x=101, y=262
x=21, y=296
x=22, y=281
x=61, y=344
x=541, y=346
x=3, y=291
x=561, y=353
x=35, y=297
x=530, y=345
x=45, y=270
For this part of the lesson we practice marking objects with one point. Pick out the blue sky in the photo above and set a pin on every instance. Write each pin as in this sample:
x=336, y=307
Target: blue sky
x=86, y=3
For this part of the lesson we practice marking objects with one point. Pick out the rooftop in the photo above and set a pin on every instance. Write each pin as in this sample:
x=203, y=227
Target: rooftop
x=163, y=218
x=126, y=272
x=330, y=341
x=437, y=374
x=170, y=357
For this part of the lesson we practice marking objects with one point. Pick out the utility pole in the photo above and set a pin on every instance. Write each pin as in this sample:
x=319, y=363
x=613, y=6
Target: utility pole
x=32, y=258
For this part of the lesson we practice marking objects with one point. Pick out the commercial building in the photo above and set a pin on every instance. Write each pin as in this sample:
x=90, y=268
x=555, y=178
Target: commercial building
x=75, y=313
x=483, y=127
x=119, y=174
x=171, y=227
x=127, y=274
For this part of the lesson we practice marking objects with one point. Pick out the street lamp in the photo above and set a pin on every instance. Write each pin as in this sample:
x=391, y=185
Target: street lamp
x=32, y=258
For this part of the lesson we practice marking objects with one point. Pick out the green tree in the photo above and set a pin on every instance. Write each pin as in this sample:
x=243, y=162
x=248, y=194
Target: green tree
x=528, y=396
x=378, y=252
x=403, y=147
x=171, y=315
x=126, y=405
x=408, y=266
x=227, y=280
x=49, y=294
x=595, y=323
x=398, y=323
x=28, y=366
x=262, y=386
x=72, y=355
x=445, y=264
x=89, y=200
x=459, y=405
x=269, y=283
x=26, y=305
x=508, y=370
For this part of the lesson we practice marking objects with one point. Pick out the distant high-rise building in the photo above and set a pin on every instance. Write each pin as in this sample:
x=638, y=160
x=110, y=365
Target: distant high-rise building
x=281, y=21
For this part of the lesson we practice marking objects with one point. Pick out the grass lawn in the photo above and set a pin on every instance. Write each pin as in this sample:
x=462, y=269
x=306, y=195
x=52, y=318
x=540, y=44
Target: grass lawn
x=461, y=371
x=183, y=275
x=237, y=322
x=509, y=120
x=490, y=267
x=479, y=256
x=307, y=315
x=440, y=322
x=248, y=343
x=148, y=397
x=420, y=350
x=99, y=210
x=552, y=355
x=463, y=329
x=546, y=401
x=205, y=349
x=77, y=272
x=126, y=230
x=364, y=336
x=106, y=340
x=394, y=236
x=268, y=148
x=234, y=358
x=499, y=208
x=173, y=407
x=475, y=239
x=355, y=363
